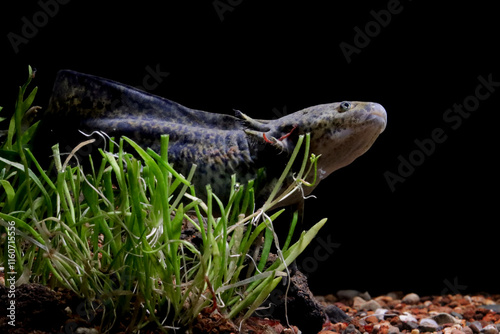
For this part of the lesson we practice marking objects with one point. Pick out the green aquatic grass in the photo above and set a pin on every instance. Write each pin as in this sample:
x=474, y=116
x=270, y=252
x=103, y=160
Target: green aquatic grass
x=112, y=233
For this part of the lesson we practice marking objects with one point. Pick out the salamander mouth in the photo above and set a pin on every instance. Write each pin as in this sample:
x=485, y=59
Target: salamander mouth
x=377, y=116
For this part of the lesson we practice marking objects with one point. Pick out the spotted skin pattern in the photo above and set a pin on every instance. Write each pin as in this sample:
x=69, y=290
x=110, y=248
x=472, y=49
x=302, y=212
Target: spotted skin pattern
x=220, y=145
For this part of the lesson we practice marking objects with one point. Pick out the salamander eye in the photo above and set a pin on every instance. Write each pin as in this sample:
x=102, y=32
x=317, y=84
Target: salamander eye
x=344, y=106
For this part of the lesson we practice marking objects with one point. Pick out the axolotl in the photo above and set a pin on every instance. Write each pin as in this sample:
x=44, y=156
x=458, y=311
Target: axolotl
x=219, y=144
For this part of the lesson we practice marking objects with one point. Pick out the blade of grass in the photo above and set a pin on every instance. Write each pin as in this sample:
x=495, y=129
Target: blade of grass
x=32, y=176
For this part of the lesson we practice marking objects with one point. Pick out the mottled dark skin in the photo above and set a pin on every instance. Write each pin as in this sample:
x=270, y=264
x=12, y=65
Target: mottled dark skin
x=220, y=145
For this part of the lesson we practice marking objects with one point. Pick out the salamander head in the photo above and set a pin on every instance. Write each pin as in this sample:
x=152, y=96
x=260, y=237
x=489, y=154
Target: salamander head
x=340, y=131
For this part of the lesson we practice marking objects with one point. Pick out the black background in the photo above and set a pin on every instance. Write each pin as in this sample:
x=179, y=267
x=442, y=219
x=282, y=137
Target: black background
x=438, y=231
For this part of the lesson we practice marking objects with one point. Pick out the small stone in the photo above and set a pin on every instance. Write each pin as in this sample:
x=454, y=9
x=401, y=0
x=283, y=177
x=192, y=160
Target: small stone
x=428, y=325
x=351, y=330
x=415, y=331
x=357, y=302
x=410, y=326
x=463, y=301
x=476, y=327
x=335, y=314
x=360, y=304
x=444, y=318
x=372, y=319
x=457, y=331
x=467, y=330
x=407, y=317
x=383, y=300
x=469, y=314
x=411, y=298
x=379, y=313
x=490, y=329
x=395, y=330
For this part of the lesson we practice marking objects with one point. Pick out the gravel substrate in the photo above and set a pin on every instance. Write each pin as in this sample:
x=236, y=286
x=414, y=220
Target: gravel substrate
x=397, y=313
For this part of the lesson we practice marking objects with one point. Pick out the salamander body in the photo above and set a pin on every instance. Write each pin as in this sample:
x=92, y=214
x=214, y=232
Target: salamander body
x=220, y=145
